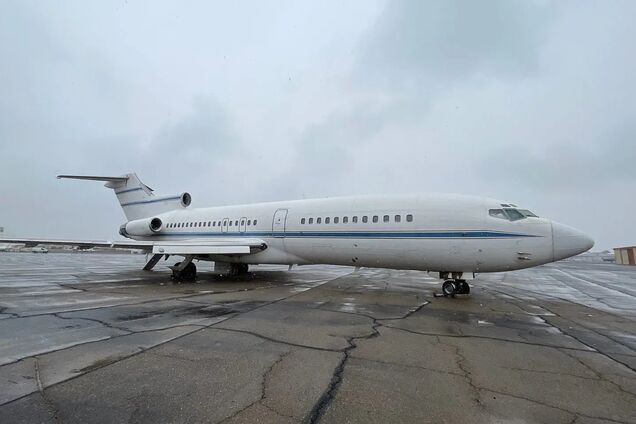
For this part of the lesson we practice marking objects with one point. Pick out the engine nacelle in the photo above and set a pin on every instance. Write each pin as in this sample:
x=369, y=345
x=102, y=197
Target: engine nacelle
x=185, y=199
x=142, y=227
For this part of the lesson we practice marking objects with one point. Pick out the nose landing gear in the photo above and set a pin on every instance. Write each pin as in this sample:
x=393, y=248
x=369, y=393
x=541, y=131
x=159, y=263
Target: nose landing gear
x=452, y=287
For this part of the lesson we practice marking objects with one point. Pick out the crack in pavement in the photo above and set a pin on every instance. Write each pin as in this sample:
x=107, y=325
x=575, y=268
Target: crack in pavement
x=600, y=376
x=469, y=336
x=270, y=339
x=104, y=323
x=336, y=379
x=467, y=374
x=565, y=332
x=547, y=405
x=263, y=394
x=397, y=364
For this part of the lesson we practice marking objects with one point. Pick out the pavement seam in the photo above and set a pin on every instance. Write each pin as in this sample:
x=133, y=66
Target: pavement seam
x=50, y=406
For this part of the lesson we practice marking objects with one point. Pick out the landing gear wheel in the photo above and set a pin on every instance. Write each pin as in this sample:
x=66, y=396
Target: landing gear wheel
x=189, y=273
x=463, y=287
x=238, y=269
x=449, y=288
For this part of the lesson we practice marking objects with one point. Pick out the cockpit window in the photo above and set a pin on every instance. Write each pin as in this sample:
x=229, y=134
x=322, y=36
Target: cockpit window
x=497, y=213
x=527, y=213
x=513, y=214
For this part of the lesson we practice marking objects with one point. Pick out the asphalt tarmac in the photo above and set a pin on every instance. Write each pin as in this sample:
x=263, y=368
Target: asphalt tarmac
x=91, y=338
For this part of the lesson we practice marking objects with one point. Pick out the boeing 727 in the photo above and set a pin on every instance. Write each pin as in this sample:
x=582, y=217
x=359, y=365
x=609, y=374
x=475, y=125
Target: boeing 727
x=453, y=237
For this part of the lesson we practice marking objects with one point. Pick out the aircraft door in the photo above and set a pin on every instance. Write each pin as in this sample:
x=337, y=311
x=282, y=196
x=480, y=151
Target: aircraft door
x=243, y=224
x=279, y=222
x=225, y=225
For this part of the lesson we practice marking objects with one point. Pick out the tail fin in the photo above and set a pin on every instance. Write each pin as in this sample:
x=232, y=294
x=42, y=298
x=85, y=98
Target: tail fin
x=137, y=199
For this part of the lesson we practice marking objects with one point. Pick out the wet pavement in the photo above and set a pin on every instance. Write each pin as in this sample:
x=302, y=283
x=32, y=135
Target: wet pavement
x=91, y=338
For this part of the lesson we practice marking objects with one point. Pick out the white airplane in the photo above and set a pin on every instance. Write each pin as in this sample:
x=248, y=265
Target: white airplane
x=451, y=236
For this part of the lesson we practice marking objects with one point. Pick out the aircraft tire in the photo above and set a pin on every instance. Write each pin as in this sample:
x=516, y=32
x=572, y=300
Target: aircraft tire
x=449, y=288
x=462, y=287
x=189, y=273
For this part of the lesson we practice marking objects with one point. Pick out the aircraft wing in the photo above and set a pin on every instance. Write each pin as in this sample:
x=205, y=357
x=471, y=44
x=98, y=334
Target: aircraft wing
x=218, y=246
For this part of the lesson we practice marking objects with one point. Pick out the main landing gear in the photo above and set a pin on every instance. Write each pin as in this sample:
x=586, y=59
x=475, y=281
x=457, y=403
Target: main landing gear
x=230, y=269
x=452, y=287
x=184, y=271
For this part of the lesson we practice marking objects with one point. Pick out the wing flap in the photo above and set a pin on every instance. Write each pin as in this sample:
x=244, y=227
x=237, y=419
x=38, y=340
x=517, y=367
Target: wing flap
x=220, y=246
x=82, y=244
x=200, y=249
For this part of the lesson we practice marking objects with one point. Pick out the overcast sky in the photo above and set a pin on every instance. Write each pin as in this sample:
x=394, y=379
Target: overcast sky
x=247, y=101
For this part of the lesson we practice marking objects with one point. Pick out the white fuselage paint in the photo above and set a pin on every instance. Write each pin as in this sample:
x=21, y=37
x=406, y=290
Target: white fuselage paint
x=448, y=233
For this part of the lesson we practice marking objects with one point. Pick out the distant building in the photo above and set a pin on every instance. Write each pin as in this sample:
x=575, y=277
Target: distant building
x=625, y=255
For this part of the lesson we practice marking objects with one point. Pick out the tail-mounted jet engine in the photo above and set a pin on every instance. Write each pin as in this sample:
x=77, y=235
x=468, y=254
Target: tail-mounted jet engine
x=141, y=227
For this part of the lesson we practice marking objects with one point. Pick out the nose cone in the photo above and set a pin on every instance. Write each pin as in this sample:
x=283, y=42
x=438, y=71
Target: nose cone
x=567, y=241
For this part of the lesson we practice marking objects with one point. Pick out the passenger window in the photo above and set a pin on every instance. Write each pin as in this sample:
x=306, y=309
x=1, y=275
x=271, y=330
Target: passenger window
x=302, y=221
x=335, y=220
x=497, y=213
x=409, y=218
x=242, y=222
x=397, y=218
x=386, y=218
x=249, y=222
x=327, y=220
x=345, y=219
x=311, y=220
x=254, y=222
x=365, y=219
x=318, y=220
x=214, y=223
x=236, y=222
x=230, y=223
x=354, y=219
x=375, y=218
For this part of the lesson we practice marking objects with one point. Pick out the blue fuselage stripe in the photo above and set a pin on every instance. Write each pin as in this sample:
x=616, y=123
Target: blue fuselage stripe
x=356, y=234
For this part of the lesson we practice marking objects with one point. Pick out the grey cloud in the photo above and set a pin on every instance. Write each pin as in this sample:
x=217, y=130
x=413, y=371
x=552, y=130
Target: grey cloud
x=586, y=166
x=448, y=39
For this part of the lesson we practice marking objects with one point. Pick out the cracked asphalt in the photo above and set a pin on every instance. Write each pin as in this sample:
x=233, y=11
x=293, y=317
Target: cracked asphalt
x=91, y=338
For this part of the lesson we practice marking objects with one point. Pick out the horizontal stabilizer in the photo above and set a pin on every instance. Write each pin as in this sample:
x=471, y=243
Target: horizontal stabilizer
x=94, y=178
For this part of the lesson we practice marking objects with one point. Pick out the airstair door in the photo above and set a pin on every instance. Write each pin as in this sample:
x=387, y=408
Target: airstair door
x=279, y=222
